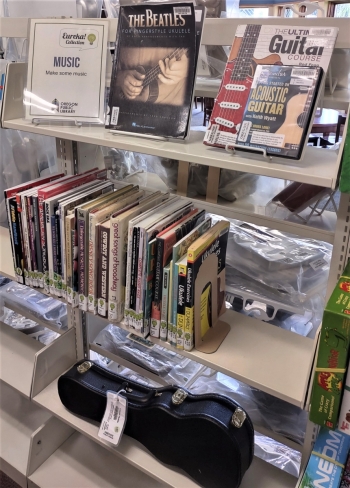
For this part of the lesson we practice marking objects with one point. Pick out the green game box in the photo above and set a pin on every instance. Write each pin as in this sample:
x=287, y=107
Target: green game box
x=332, y=358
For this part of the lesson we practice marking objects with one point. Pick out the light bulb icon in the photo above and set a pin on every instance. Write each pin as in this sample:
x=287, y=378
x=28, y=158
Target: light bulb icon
x=91, y=38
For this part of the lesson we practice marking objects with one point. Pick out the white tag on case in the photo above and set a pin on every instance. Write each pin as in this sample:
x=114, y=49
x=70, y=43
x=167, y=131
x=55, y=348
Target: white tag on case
x=114, y=419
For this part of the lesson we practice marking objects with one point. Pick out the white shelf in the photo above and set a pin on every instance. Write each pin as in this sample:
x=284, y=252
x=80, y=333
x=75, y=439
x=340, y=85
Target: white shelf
x=81, y=463
x=77, y=464
x=6, y=261
x=260, y=475
x=19, y=418
x=253, y=208
x=257, y=353
x=319, y=167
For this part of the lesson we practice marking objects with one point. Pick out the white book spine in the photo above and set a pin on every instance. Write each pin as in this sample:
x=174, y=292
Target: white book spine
x=115, y=270
x=92, y=270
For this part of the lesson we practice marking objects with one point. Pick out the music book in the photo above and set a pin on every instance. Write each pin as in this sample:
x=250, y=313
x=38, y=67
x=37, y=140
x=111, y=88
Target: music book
x=256, y=45
x=279, y=108
x=154, y=71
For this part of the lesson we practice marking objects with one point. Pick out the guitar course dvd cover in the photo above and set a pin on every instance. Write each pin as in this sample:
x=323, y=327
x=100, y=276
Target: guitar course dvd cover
x=253, y=45
x=279, y=109
x=153, y=75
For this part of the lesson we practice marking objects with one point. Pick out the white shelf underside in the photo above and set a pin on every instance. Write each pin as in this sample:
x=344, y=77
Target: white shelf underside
x=319, y=167
x=134, y=453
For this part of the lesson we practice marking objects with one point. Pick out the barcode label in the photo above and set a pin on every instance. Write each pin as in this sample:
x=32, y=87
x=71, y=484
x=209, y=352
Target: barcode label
x=321, y=32
x=115, y=115
x=212, y=133
x=304, y=72
x=182, y=10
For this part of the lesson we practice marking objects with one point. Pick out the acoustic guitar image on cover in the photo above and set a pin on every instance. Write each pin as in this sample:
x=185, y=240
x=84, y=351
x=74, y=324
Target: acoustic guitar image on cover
x=153, y=75
x=279, y=109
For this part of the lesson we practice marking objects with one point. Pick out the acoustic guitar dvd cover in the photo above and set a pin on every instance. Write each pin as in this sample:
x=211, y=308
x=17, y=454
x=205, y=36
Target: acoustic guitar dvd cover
x=256, y=44
x=279, y=109
x=153, y=75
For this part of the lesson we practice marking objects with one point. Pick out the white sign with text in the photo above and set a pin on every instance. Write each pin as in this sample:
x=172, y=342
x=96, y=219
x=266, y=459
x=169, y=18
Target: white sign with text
x=67, y=69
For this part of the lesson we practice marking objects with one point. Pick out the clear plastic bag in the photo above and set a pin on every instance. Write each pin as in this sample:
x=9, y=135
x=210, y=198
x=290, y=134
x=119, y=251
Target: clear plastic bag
x=293, y=266
x=167, y=364
x=264, y=410
x=245, y=295
x=46, y=308
x=277, y=454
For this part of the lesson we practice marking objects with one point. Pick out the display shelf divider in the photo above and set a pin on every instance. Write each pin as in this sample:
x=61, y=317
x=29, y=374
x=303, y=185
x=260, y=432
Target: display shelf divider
x=52, y=360
x=45, y=441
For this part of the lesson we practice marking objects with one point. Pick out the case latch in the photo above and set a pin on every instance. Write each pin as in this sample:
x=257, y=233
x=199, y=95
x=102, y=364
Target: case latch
x=179, y=396
x=238, y=417
x=85, y=366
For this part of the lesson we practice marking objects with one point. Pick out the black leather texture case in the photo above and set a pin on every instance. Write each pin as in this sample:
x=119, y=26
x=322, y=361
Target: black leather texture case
x=208, y=436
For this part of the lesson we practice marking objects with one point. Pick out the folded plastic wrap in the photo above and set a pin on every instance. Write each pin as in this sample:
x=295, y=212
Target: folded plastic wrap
x=293, y=266
x=264, y=410
x=26, y=299
x=245, y=295
x=277, y=454
x=163, y=362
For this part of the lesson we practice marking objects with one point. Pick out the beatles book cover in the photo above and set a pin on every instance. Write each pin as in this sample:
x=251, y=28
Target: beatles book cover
x=153, y=74
x=255, y=45
x=279, y=109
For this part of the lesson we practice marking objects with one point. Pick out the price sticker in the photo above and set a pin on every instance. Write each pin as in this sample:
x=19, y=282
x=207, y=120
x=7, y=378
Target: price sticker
x=114, y=419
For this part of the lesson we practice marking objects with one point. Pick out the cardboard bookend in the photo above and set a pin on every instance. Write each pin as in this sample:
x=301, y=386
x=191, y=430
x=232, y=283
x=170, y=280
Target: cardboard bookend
x=208, y=274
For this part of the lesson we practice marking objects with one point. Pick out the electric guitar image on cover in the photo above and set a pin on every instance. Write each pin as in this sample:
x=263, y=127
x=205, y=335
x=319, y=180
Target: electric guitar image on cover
x=152, y=88
x=234, y=92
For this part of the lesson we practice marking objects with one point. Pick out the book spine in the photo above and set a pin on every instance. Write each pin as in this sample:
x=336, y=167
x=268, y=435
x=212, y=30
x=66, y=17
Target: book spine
x=135, y=243
x=81, y=261
x=25, y=234
x=9, y=221
x=104, y=243
x=150, y=268
x=17, y=235
x=181, y=307
x=157, y=298
x=75, y=265
x=170, y=286
x=37, y=242
x=93, y=266
x=139, y=279
x=67, y=235
x=189, y=311
x=41, y=208
x=127, y=311
x=29, y=242
x=32, y=241
x=58, y=284
x=115, y=266
x=172, y=327
x=53, y=252
x=165, y=302
x=49, y=248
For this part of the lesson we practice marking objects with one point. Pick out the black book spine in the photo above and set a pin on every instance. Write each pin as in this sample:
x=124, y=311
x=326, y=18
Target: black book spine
x=135, y=254
x=58, y=244
x=37, y=234
x=17, y=239
x=158, y=275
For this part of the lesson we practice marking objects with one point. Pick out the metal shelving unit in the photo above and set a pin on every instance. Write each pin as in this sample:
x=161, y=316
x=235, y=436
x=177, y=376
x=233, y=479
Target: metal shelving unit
x=271, y=359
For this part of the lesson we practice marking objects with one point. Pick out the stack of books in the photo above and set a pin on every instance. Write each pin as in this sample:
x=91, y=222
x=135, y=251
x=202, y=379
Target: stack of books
x=120, y=253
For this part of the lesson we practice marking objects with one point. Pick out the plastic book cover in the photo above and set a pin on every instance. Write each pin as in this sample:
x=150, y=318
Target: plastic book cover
x=154, y=72
x=255, y=45
x=279, y=109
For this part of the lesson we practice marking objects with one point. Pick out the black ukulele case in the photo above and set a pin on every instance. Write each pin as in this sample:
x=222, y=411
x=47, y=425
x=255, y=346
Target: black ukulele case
x=210, y=437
